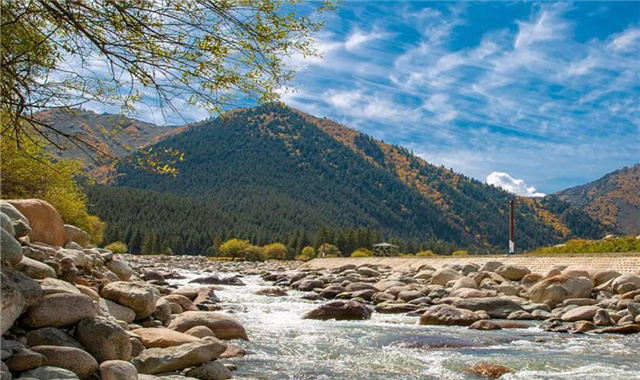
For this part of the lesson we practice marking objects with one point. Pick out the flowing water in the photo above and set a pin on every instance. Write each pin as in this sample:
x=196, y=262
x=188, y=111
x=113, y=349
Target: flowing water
x=284, y=346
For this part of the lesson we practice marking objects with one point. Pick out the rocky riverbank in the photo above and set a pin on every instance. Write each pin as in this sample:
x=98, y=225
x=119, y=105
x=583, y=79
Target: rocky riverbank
x=72, y=311
x=485, y=297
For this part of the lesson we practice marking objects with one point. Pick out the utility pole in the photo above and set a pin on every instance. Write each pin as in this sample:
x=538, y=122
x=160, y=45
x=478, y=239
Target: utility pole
x=512, y=225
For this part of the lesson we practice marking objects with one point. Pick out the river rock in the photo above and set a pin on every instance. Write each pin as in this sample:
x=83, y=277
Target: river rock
x=224, y=327
x=580, y=313
x=210, y=371
x=485, y=324
x=73, y=359
x=118, y=370
x=626, y=283
x=496, y=307
x=465, y=283
x=577, y=272
x=104, y=339
x=200, y=332
x=51, y=336
x=74, y=256
x=558, y=288
x=7, y=224
x=49, y=373
x=35, y=269
x=55, y=286
x=120, y=268
x=490, y=266
x=272, y=292
x=10, y=249
x=138, y=297
x=45, y=222
x=184, y=302
x=77, y=235
x=602, y=318
x=24, y=360
x=12, y=301
x=513, y=272
x=448, y=315
x=233, y=351
x=158, y=360
x=626, y=329
x=162, y=338
x=59, y=310
x=331, y=291
x=119, y=312
x=443, y=276
x=489, y=370
x=340, y=310
x=368, y=272
x=602, y=276
x=309, y=285
x=215, y=280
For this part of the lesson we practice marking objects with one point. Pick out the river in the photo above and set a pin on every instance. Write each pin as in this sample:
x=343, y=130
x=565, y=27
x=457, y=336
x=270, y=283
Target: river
x=392, y=346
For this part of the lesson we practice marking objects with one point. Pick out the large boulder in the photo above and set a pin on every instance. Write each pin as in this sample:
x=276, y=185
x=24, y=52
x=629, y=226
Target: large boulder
x=12, y=212
x=162, y=338
x=158, y=360
x=48, y=373
x=496, y=307
x=513, y=272
x=120, y=268
x=59, y=310
x=104, y=339
x=558, y=288
x=10, y=249
x=443, y=276
x=224, y=327
x=340, y=310
x=77, y=235
x=51, y=336
x=119, y=312
x=54, y=286
x=602, y=276
x=184, y=302
x=580, y=313
x=137, y=297
x=7, y=224
x=73, y=359
x=626, y=283
x=23, y=359
x=12, y=301
x=210, y=371
x=118, y=370
x=35, y=269
x=45, y=222
x=448, y=315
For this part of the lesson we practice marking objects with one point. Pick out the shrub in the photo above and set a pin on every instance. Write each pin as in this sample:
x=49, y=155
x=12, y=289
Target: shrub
x=117, y=247
x=275, y=251
x=30, y=172
x=254, y=253
x=234, y=248
x=460, y=253
x=329, y=250
x=425, y=253
x=362, y=252
x=308, y=251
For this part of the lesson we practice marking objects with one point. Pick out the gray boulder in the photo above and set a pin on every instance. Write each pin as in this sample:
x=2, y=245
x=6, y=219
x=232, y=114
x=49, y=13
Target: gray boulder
x=75, y=360
x=496, y=307
x=104, y=339
x=51, y=336
x=10, y=249
x=138, y=297
x=558, y=288
x=59, y=310
x=448, y=315
x=340, y=310
x=210, y=371
x=158, y=360
x=49, y=373
x=35, y=269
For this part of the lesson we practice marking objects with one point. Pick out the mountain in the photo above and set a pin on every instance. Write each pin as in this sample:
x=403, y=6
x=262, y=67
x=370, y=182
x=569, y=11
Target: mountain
x=274, y=173
x=614, y=199
x=113, y=136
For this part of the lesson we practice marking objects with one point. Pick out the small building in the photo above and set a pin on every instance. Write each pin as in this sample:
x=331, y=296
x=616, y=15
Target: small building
x=385, y=249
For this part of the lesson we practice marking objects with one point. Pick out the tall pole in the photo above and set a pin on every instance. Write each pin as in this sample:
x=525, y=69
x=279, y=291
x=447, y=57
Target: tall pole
x=512, y=244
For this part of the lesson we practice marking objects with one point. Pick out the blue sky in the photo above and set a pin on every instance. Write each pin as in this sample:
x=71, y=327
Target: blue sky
x=545, y=93
x=533, y=97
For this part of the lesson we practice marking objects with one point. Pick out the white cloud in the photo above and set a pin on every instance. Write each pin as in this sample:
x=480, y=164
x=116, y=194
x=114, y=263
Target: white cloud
x=626, y=40
x=512, y=185
x=547, y=26
x=358, y=38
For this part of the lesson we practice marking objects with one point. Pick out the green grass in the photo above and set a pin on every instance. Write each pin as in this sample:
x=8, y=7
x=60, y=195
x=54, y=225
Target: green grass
x=613, y=245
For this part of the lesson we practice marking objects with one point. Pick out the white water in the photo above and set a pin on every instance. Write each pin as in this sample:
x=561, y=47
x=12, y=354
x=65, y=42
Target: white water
x=284, y=346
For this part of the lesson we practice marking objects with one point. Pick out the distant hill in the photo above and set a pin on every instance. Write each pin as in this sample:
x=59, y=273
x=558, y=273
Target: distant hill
x=114, y=136
x=274, y=173
x=613, y=199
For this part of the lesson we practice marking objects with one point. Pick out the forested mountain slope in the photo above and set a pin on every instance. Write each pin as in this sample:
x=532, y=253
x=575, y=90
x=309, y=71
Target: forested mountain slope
x=613, y=199
x=274, y=173
x=112, y=136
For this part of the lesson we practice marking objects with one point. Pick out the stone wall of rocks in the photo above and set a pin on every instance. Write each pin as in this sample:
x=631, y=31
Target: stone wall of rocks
x=623, y=263
x=73, y=311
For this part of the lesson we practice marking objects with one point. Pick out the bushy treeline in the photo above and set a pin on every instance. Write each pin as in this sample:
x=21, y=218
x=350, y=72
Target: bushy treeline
x=610, y=245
